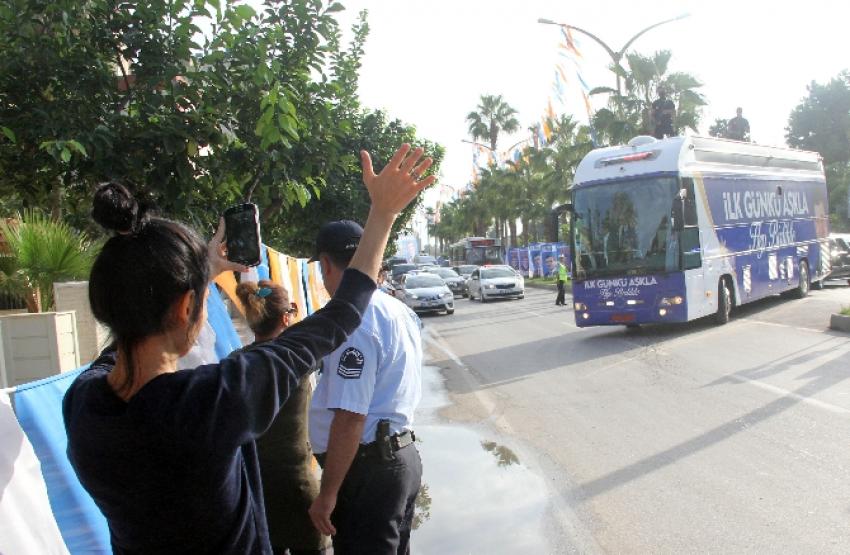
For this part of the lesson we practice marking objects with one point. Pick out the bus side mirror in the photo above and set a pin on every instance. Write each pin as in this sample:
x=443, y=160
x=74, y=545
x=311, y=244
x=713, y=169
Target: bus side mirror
x=678, y=214
x=678, y=211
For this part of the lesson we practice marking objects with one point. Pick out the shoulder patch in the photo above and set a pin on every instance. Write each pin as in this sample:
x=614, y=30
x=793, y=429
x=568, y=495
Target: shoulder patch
x=351, y=364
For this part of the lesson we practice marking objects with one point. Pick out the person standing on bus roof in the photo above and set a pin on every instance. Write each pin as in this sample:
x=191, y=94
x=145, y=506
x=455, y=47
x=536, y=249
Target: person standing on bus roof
x=663, y=111
x=738, y=128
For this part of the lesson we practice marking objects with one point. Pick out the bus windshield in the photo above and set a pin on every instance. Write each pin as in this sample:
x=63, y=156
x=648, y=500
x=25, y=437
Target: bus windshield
x=623, y=227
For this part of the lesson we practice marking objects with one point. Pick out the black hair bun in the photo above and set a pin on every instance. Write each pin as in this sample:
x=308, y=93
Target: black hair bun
x=115, y=208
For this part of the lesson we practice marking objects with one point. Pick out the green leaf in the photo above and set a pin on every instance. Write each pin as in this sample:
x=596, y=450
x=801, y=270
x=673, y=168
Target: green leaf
x=9, y=133
x=78, y=147
x=245, y=12
x=286, y=123
x=65, y=155
x=335, y=7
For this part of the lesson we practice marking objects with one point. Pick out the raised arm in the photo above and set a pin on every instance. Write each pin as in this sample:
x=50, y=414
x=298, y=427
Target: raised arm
x=255, y=383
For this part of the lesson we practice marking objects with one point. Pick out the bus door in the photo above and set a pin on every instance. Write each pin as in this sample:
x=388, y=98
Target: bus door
x=690, y=249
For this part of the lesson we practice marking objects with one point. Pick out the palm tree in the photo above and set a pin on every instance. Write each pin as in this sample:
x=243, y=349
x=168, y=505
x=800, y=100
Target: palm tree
x=42, y=251
x=494, y=116
x=628, y=114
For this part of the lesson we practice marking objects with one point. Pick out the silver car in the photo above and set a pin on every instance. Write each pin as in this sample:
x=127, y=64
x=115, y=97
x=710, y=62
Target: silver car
x=456, y=284
x=495, y=282
x=425, y=292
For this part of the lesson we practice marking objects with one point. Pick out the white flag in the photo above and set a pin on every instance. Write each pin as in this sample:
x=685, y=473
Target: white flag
x=26, y=520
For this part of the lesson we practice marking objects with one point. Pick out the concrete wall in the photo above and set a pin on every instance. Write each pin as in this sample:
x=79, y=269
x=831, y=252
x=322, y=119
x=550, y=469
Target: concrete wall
x=36, y=346
x=91, y=335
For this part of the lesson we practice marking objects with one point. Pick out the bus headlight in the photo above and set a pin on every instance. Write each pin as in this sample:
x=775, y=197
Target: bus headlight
x=585, y=315
x=578, y=307
x=671, y=301
x=662, y=312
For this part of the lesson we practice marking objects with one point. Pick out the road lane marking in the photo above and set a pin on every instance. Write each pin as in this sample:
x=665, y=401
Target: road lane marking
x=796, y=396
x=778, y=325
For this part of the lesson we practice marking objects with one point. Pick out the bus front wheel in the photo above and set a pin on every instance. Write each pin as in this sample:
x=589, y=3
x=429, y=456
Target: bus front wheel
x=724, y=303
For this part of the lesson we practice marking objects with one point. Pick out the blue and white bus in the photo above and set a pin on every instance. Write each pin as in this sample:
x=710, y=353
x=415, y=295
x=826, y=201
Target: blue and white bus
x=686, y=227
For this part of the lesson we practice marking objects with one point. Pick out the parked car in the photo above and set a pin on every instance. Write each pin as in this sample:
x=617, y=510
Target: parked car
x=495, y=282
x=839, y=258
x=393, y=261
x=427, y=267
x=399, y=270
x=465, y=270
x=425, y=292
x=456, y=283
x=425, y=259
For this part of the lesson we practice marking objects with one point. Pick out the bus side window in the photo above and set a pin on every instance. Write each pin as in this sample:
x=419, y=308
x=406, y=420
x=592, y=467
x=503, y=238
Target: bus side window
x=691, y=251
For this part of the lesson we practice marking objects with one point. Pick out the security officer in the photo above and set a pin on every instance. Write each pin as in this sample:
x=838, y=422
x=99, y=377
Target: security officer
x=361, y=417
x=562, y=281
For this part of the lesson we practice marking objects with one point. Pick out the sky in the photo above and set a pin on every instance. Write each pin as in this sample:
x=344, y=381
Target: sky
x=427, y=62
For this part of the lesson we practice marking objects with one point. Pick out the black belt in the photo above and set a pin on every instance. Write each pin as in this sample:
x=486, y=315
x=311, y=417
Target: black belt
x=398, y=441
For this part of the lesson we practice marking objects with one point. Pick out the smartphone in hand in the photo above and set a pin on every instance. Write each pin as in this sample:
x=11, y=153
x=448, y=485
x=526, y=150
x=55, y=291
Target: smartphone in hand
x=242, y=234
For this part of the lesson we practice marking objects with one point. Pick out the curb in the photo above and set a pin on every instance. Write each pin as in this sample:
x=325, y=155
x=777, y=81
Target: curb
x=839, y=322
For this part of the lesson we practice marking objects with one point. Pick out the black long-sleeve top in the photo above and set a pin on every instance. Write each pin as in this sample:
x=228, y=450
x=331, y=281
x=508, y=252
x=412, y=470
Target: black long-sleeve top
x=175, y=468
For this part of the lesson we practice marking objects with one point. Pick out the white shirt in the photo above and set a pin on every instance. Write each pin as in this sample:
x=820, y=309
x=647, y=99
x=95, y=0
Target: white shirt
x=377, y=372
x=202, y=351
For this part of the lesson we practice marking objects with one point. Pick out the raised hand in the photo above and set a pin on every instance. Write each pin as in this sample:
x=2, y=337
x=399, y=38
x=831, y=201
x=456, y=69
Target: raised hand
x=217, y=254
x=399, y=182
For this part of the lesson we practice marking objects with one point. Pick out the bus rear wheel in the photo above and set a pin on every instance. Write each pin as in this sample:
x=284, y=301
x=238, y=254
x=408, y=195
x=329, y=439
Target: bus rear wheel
x=802, y=289
x=724, y=303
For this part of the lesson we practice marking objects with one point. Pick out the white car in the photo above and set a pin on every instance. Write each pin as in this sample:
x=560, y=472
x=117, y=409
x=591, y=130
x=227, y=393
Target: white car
x=495, y=282
x=424, y=292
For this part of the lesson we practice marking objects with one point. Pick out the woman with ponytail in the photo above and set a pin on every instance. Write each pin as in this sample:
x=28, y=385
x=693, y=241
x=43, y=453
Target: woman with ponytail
x=170, y=456
x=289, y=485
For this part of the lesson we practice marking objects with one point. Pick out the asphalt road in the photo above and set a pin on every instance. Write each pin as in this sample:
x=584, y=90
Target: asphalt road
x=668, y=439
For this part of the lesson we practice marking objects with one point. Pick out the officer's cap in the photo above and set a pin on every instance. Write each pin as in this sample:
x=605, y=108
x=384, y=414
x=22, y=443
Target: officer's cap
x=339, y=237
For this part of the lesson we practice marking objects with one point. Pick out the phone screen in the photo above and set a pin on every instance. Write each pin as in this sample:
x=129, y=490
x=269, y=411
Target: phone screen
x=242, y=234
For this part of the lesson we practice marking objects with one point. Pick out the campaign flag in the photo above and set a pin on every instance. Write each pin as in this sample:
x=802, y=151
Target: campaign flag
x=26, y=519
x=226, y=338
x=39, y=410
x=263, y=268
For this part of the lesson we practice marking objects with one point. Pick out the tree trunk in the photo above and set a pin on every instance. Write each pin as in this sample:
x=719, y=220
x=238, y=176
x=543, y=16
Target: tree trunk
x=56, y=199
x=526, y=230
x=33, y=300
x=512, y=227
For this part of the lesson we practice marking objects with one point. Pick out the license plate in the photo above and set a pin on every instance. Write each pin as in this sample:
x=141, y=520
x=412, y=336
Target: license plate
x=620, y=318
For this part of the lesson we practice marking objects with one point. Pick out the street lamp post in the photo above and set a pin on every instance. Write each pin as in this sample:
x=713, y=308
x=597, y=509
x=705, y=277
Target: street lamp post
x=615, y=56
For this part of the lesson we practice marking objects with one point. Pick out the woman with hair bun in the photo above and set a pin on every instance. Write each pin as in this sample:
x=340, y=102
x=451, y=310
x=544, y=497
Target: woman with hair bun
x=289, y=485
x=170, y=456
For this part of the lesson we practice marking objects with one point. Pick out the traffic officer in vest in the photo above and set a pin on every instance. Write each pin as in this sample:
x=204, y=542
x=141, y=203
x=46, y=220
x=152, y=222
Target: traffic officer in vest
x=361, y=417
x=562, y=281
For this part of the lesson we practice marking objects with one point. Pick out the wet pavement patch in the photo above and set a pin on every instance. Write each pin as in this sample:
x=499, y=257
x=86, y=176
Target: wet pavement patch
x=476, y=496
